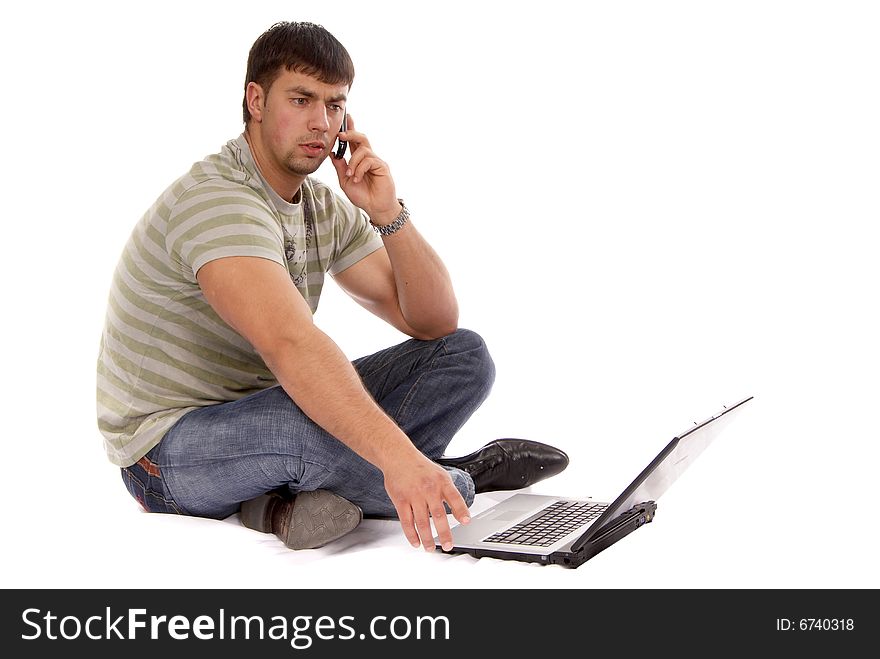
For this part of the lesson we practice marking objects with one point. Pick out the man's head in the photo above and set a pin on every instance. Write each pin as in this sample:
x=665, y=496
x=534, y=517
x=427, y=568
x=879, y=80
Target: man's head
x=299, y=47
x=294, y=101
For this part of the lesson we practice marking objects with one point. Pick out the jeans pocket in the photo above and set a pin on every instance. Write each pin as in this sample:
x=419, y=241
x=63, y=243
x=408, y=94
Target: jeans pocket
x=144, y=482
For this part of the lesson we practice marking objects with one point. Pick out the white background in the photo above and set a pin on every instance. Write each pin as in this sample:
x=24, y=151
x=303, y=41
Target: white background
x=649, y=210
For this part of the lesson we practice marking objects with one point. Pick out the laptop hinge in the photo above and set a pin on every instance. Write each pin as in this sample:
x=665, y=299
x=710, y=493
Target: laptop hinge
x=641, y=513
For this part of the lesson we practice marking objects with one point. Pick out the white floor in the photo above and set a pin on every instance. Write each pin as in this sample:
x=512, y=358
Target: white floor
x=772, y=504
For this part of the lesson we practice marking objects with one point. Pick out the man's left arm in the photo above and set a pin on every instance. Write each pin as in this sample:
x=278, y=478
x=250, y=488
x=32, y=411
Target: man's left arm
x=406, y=284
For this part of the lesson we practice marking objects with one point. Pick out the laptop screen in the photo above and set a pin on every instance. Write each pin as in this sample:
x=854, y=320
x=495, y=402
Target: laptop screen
x=669, y=464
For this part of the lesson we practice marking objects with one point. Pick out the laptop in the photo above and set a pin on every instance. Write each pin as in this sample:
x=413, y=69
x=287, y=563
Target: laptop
x=568, y=532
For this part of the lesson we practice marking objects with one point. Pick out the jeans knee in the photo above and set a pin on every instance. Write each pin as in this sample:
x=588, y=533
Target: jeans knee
x=464, y=484
x=471, y=344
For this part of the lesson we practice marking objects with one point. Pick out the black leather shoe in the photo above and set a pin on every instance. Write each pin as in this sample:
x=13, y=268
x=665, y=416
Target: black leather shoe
x=509, y=464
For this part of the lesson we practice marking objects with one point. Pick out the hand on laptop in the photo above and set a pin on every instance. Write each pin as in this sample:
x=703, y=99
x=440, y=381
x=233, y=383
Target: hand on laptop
x=418, y=489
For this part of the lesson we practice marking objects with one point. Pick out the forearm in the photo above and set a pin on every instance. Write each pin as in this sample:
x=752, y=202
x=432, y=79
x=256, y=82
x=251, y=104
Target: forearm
x=424, y=289
x=322, y=382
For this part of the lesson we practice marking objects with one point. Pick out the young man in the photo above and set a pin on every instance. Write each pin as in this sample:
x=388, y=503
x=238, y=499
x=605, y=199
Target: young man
x=218, y=394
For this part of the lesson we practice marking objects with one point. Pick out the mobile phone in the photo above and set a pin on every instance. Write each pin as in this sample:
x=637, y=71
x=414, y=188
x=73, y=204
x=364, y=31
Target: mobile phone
x=340, y=150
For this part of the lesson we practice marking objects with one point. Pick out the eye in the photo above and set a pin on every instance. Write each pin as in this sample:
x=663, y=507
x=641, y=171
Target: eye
x=299, y=100
x=335, y=107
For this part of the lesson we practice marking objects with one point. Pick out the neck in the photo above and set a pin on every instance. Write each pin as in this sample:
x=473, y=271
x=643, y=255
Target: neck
x=285, y=184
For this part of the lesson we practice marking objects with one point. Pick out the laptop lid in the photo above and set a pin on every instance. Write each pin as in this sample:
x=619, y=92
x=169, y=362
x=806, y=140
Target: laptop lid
x=669, y=464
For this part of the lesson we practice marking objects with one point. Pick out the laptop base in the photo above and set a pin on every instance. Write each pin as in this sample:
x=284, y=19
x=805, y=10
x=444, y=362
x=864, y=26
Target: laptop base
x=620, y=527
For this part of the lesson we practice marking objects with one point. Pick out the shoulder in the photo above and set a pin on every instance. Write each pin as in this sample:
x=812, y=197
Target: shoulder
x=322, y=194
x=218, y=191
x=222, y=177
x=215, y=207
x=328, y=204
x=217, y=186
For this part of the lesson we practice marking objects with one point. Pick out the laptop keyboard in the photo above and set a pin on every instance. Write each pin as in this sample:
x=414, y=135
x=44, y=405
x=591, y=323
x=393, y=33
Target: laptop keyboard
x=551, y=524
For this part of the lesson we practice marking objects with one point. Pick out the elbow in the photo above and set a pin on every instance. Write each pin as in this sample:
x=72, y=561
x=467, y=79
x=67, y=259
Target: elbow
x=274, y=348
x=437, y=329
x=446, y=330
x=446, y=324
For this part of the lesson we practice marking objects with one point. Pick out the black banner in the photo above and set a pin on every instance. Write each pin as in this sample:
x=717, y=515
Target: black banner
x=516, y=623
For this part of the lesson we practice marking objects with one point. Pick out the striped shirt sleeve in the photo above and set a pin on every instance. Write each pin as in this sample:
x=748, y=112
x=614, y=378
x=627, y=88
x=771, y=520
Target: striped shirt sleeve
x=356, y=239
x=215, y=220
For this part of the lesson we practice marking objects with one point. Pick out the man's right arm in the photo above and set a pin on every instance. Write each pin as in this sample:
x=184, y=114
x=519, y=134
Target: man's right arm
x=257, y=299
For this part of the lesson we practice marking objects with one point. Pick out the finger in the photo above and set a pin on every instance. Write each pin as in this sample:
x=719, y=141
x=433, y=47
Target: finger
x=405, y=515
x=444, y=535
x=341, y=168
x=355, y=139
x=355, y=160
x=457, y=504
x=423, y=524
x=371, y=165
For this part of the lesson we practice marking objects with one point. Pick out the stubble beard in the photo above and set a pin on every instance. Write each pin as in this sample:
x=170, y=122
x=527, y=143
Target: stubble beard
x=302, y=166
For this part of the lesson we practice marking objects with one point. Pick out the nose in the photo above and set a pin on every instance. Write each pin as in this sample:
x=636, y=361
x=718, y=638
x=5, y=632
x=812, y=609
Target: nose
x=318, y=120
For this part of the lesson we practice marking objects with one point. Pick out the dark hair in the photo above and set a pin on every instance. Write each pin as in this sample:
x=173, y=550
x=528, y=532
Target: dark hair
x=302, y=47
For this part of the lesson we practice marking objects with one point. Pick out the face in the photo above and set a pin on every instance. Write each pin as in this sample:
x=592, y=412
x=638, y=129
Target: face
x=296, y=122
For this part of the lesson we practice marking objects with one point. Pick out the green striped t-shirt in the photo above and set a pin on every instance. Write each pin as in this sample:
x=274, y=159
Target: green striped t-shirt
x=164, y=351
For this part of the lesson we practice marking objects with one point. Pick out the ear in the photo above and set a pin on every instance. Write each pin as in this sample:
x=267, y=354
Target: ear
x=256, y=101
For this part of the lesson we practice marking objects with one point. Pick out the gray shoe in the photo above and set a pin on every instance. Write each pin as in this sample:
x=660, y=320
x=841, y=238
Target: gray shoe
x=304, y=521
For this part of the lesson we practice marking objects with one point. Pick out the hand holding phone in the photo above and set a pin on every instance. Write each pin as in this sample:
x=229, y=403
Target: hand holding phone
x=340, y=150
x=365, y=179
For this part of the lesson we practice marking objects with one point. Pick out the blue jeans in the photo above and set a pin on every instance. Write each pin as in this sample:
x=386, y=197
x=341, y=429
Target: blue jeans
x=217, y=456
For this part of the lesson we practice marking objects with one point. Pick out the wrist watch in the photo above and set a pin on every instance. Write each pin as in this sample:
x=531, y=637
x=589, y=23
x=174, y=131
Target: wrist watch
x=396, y=225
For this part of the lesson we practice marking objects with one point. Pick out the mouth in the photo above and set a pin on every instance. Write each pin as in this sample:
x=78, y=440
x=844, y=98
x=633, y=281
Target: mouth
x=313, y=148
